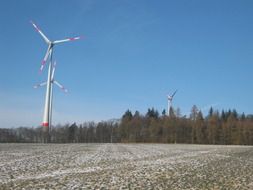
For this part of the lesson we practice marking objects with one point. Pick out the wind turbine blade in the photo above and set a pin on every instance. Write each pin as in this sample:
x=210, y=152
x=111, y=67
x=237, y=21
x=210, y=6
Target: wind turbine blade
x=40, y=32
x=60, y=86
x=45, y=58
x=66, y=40
x=174, y=94
x=52, y=77
x=40, y=85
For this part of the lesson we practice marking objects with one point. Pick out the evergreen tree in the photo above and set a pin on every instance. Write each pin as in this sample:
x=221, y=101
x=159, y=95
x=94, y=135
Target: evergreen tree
x=164, y=112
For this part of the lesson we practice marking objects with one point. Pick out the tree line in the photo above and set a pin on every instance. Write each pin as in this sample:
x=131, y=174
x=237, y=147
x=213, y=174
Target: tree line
x=225, y=127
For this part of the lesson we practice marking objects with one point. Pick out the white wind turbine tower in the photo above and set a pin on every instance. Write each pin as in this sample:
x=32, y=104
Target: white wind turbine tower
x=52, y=81
x=49, y=53
x=170, y=98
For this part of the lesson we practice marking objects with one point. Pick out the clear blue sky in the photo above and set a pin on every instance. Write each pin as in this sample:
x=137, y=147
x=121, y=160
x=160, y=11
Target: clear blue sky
x=134, y=54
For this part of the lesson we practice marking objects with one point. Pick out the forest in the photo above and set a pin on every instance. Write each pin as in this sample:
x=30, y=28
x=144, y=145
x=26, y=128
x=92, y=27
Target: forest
x=225, y=127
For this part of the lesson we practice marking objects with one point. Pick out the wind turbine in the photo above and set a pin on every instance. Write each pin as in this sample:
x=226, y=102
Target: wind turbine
x=52, y=81
x=49, y=53
x=51, y=44
x=170, y=98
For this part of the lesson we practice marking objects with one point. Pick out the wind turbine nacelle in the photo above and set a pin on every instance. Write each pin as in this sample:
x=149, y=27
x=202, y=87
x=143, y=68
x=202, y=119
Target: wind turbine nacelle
x=169, y=98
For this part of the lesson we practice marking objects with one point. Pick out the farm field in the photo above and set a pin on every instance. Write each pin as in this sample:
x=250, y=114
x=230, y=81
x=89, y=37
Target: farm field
x=125, y=166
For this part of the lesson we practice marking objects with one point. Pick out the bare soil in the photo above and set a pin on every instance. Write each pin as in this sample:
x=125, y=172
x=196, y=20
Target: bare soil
x=125, y=166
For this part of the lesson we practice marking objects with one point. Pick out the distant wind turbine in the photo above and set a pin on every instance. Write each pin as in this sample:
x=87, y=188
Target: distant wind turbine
x=170, y=99
x=50, y=79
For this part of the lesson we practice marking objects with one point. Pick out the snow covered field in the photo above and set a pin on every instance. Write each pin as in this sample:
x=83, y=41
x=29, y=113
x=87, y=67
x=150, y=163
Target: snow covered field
x=125, y=166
